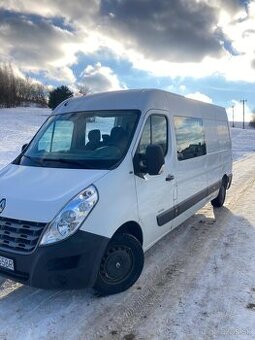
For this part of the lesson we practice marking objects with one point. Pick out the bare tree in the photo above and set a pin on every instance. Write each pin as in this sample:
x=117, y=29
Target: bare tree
x=15, y=90
x=83, y=89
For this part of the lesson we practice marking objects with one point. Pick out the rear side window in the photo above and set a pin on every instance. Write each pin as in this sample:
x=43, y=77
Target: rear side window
x=190, y=137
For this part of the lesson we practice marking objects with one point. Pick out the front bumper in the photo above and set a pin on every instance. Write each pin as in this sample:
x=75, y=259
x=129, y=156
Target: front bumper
x=71, y=264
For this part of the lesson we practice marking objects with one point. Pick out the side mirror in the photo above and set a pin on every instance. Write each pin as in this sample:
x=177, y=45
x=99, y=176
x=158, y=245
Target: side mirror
x=23, y=147
x=154, y=159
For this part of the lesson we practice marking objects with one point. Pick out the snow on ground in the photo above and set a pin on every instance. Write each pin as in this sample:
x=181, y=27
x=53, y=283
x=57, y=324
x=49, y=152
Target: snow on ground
x=17, y=127
x=198, y=281
x=243, y=142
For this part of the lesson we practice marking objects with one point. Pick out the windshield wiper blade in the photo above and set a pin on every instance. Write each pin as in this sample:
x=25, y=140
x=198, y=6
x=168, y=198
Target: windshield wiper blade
x=33, y=159
x=64, y=160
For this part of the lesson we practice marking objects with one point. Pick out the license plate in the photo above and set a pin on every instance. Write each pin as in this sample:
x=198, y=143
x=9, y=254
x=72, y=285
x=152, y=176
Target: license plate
x=6, y=263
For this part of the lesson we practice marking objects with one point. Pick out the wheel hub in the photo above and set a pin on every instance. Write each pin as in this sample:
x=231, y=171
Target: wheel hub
x=117, y=264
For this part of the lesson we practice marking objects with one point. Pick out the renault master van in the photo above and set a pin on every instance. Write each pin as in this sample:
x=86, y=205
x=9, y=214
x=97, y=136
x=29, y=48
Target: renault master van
x=104, y=178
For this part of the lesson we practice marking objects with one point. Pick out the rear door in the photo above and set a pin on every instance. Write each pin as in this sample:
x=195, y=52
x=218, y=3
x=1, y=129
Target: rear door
x=155, y=194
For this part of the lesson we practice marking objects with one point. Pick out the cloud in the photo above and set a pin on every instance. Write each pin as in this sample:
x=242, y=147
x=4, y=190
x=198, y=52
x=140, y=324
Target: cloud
x=230, y=6
x=34, y=42
x=182, y=87
x=187, y=39
x=61, y=74
x=183, y=31
x=77, y=10
x=100, y=78
x=200, y=96
x=194, y=38
x=46, y=44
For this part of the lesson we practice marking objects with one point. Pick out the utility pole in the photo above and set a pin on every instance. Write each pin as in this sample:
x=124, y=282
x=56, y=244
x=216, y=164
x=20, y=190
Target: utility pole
x=243, y=101
x=233, y=115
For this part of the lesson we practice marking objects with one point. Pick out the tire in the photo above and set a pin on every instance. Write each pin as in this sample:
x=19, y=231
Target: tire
x=121, y=265
x=220, y=199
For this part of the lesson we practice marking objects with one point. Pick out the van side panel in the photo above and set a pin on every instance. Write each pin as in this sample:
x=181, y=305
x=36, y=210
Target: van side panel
x=199, y=178
x=214, y=171
x=224, y=147
x=191, y=174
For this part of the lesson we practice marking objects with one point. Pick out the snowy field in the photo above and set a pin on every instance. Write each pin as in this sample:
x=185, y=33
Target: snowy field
x=243, y=142
x=198, y=282
x=17, y=127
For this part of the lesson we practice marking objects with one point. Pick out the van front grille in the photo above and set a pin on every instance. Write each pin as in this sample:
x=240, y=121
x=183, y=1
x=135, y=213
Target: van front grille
x=21, y=236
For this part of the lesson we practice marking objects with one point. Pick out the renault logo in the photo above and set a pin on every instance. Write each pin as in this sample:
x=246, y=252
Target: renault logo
x=2, y=205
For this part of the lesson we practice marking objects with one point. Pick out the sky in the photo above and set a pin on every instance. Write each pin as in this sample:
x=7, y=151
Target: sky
x=202, y=49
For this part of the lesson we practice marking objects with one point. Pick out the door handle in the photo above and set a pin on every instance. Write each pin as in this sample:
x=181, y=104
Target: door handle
x=169, y=178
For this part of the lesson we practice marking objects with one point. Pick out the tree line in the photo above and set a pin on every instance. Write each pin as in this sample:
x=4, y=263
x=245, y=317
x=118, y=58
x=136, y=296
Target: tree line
x=17, y=91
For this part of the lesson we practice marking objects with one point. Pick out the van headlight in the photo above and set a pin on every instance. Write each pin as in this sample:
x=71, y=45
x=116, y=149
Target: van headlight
x=70, y=218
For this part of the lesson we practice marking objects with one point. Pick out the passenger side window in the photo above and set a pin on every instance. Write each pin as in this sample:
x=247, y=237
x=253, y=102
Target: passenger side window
x=146, y=137
x=155, y=132
x=190, y=137
x=159, y=131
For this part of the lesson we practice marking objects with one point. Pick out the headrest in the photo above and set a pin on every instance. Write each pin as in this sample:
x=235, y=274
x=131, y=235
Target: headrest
x=94, y=135
x=118, y=133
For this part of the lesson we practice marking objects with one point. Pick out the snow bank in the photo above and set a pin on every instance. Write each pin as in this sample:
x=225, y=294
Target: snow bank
x=243, y=142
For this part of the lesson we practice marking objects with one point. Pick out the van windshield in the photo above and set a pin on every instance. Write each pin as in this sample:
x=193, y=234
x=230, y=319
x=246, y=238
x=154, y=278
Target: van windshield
x=86, y=140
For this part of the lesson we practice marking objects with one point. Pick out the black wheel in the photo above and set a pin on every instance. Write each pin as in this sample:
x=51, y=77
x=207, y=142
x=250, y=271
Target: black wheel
x=121, y=265
x=220, y=199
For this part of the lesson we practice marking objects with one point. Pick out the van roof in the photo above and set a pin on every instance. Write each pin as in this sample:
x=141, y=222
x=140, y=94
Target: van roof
x=137, y=99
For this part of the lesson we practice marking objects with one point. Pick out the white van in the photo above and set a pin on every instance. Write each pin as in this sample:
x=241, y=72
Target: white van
x=105, y=177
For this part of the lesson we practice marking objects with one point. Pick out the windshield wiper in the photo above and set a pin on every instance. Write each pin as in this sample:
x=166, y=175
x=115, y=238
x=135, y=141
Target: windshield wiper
x=33, y=160
x=64, y=160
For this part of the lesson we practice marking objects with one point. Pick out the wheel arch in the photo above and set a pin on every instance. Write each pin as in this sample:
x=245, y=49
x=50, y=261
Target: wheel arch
x=132, y=228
